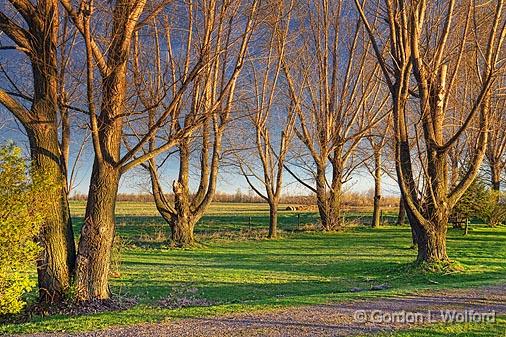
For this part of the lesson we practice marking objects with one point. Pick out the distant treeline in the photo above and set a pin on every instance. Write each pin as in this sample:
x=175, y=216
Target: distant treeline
x=350, y=199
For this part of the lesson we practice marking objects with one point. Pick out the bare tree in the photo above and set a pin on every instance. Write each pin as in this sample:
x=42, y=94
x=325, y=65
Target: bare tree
x=496, y=149
x=426, y=44
x=117, y=112
x=34, y=29
x=377, y=139
x=271, y=122
x=226, y=36
x=336, y=95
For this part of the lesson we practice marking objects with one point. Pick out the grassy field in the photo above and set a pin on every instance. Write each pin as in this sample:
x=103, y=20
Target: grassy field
x=234, y=269
x=497, y=329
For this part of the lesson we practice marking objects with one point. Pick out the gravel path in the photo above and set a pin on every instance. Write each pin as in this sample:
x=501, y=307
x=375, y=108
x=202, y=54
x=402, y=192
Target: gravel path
x=340, y=319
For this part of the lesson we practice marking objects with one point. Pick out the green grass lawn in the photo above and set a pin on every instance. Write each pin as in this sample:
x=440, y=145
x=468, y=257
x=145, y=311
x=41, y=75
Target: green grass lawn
x=300, y=268
x=497, y=329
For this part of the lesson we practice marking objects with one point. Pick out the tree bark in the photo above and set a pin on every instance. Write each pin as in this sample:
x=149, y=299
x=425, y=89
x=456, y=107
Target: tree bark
x=97, y=234
x=55, y=265
x=329, y=202
x=432, y=245
x=430, y=236
x=39, y=41
x=183, y=222
x=182, y=231
x=329, y=207
x=273, y=220
x=376, y=216
x=57, y=261
x=495, y=172
x=401, y=216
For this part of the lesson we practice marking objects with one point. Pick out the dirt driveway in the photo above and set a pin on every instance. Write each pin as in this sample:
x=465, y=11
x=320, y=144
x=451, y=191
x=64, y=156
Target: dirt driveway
x=341, y=319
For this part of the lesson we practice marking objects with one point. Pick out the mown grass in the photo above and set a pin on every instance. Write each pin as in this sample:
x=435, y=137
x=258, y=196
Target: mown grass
x=299, y=268
x=495, y=329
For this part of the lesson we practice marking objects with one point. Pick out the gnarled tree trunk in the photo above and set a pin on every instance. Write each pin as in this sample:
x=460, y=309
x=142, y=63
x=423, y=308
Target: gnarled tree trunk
x=55, y=265
x=183, y=221
x=430, y=237
x=329, y=201
x=432, y=245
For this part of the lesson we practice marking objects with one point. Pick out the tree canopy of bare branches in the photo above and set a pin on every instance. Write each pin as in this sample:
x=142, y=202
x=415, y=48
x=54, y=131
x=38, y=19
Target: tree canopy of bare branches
x=426, y=50
x=335, y=92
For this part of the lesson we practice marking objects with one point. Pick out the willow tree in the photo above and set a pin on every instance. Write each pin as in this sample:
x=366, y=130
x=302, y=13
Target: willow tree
x=333, y=85
x=108, y=54
x=269, y=122
x=377, y=139
x=496, y=149
x=34, y=30
x=226, y=28
x=426, y=50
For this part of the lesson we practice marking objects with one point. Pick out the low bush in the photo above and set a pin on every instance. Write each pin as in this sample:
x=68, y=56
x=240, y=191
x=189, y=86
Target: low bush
x=21, y=217
x=483, y=203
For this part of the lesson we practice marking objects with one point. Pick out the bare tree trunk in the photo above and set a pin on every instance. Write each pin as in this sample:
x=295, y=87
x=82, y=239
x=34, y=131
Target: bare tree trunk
x=377, y=190
x=180, y=218
x=55, y=265
x=335, y=214
x=183, y=222
x=495, y=173
x=273, y=220
x=329, y=200
x=182, y=231
x=432, y=245
x=401, y=216
x=322, y=198
x=97, y=234
x=329, y=207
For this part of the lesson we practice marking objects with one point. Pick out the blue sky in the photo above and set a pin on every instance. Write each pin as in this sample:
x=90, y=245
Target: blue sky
x=137, y=181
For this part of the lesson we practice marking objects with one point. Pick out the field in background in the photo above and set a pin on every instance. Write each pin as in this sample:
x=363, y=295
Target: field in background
x=140, y=220
x=234, y=268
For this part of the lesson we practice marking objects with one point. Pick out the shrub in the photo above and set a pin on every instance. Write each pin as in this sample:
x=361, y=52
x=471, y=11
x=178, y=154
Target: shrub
x=471, y=202
x=493, y=210
x=21, y=216
x=483, y=203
